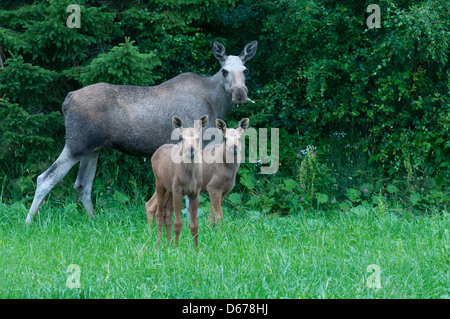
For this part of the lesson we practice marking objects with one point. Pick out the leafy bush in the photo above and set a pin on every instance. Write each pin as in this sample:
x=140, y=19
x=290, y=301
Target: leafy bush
x=375, y=103
x=390, y=84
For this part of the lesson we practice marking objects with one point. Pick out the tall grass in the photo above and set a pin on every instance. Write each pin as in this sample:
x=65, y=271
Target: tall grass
x=297, y=256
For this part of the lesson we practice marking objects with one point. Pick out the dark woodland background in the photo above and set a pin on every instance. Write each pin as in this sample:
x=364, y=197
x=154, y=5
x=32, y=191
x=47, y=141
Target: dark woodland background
x=364, y=114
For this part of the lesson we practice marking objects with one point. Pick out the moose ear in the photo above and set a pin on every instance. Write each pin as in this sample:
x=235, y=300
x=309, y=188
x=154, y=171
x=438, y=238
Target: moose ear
x=219, y=52
x=204, y=120
x=249, y=51
x=221, y=125
x=243, y=124
x=177, y=122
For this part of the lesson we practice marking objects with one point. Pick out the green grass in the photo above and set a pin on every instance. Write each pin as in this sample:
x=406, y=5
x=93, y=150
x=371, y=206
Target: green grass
x=313, y=256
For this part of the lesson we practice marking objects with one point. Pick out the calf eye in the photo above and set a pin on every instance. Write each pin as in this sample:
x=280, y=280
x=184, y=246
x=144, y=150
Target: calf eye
x=224, y=73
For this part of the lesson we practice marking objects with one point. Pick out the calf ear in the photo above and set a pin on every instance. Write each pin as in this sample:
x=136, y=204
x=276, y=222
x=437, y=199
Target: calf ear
x=221, y=125
x=243, y=124
x=219, y=52
x=204, y=120
x=249, y=51
x=177, y=122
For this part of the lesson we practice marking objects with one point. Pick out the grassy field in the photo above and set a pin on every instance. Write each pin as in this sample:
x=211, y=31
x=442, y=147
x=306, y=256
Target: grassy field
x=312, y=256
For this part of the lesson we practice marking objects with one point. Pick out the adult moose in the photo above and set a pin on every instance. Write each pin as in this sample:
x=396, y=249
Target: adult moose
x=136, y=119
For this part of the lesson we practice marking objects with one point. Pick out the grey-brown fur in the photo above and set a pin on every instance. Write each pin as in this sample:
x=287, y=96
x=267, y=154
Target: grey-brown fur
x=136, y=119
x=178, y=179
x=133, y=119
x=218, y=178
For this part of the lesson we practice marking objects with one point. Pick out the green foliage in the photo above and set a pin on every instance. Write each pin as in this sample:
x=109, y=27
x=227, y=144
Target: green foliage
x=375, y=103
x=22, y=132
x=189, y=52
x=52, y=42
x=181, y=13
x=24, y=138
x=392, y=84
x=310, y=188
x=24, y=83
x=122, y=65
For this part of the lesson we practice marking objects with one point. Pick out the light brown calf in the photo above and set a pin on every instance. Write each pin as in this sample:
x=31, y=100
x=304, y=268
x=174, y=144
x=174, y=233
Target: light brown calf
x=218, y=177
x=173, y=180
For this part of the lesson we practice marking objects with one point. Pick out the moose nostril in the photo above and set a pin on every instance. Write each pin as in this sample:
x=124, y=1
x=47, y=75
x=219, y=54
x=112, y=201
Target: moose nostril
x=240, y=94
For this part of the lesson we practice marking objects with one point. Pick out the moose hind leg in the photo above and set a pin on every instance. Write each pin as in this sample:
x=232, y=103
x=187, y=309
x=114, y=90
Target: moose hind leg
x=47, y=180
x=83, y=183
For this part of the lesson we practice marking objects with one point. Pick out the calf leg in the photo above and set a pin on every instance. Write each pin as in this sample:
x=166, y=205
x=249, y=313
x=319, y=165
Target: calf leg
x=160, y=194
x=216, y=203
x=152, y=205
x=193, y=209
x=178, y=224
x=47, y=180
x=188, y=215
x=211, y=217
x=83, y=183
x=150, y=209
x=168, y=213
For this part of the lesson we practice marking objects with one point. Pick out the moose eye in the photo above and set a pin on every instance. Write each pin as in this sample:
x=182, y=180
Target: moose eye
x=224, y=73
x=245, y=72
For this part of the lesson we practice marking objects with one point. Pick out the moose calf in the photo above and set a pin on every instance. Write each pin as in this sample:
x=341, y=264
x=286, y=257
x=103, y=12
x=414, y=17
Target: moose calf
x=175, y=179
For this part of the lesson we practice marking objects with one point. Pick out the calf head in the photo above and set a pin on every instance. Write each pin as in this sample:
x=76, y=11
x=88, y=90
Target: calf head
x=191, y=143
x=232, y=136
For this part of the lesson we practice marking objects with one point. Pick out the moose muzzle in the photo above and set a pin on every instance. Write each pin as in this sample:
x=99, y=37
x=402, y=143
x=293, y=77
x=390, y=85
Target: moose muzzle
x=239, y=95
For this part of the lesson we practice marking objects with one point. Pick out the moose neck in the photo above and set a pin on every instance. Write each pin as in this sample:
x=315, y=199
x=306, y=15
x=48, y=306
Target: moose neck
x=220, y=98
x=191, y=167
